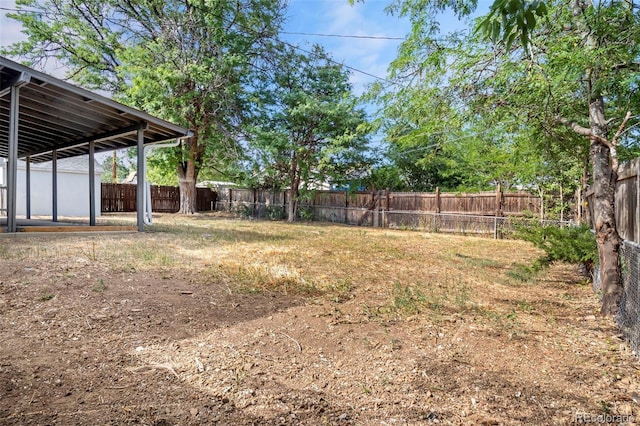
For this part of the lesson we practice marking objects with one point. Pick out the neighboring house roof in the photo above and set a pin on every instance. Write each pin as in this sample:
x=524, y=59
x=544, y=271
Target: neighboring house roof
x=132, y=177
x=72, y=164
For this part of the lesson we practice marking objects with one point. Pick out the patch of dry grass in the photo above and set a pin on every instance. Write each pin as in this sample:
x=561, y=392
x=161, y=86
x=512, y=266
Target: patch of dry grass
x=400, y=272
x=390, y=321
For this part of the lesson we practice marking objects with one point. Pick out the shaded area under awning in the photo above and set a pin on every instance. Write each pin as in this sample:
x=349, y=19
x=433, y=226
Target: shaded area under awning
x=43, y=118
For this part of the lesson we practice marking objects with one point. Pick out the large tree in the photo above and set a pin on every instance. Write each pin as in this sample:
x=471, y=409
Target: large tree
x=308, y=129
x=437, y=130
x=583, y=56
x=188, y=61
x=565, y=71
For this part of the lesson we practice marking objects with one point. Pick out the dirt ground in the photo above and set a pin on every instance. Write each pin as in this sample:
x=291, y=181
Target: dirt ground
x=90, y=341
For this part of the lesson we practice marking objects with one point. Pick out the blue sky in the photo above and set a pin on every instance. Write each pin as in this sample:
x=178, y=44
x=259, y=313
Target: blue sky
x=366, y=18
x=338, y=17
x=335, y=17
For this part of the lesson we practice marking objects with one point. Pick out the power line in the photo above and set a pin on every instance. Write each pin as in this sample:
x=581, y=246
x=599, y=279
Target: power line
x=343, y=36
x=301, y=49
x=341, y=64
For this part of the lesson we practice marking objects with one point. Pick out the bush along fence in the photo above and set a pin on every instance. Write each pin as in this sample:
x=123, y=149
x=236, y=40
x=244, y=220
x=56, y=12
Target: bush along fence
x=121, y=197
x=479, y=213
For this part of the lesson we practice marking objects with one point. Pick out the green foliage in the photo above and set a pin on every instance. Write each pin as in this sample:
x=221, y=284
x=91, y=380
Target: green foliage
x=385, y=177
x=275, y=212
x=408, y=299
x=306, y=213
x=307, y=128
x=192, y=62
x=573, y=244
x=161, y=167
x=511, y=19
x=462, y=120
x=107, y=169
x=523, y=273
x=100, y=286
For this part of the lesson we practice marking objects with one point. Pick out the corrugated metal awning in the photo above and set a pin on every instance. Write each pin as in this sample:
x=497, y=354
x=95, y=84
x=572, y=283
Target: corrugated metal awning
x=56, y=115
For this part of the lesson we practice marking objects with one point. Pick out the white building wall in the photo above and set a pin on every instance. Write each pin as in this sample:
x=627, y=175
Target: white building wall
x=73, y=191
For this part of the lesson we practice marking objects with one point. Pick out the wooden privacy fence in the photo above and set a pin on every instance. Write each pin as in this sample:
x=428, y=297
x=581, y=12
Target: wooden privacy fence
x=387, y=209
x=121, y=197
x=627, y=200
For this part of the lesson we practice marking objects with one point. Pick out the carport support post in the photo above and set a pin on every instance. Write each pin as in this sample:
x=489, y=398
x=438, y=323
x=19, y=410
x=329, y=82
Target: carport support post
x=54, y=185
x=12, y=166
x=141, y=180
x=92, y=184
x=28, y=185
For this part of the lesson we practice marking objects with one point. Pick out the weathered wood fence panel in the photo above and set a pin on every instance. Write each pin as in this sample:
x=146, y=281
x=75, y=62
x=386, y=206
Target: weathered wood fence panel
x=329, y=206
x=121, y=197
x=412, y=201
x=626, y=204
x=516, y=203
x=164, y=199
x=118, y=198
x=382, y=208
x=480, y=204
x=627, y=201
x=205, y=199
x=374, y=208
x=496, y=203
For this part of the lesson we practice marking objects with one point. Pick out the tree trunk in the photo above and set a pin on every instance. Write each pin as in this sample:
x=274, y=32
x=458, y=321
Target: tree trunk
x=294, y=179
x=585, y=209
x=187, y=175
x=604, y=186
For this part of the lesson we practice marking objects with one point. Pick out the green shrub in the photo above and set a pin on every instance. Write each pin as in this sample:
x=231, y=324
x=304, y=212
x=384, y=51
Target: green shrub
x=574, y=244
x=243, y=211
x=305, y=213
x=275, y=212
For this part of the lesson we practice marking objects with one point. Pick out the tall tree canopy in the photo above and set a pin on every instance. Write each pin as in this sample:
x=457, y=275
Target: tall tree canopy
x=308, y=128
x=559, y=76
x=188, y=61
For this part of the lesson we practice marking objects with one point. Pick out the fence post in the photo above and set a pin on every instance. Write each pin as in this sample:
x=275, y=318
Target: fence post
x=273, y=197
x=346, y=207
x=230, y=198
x=436, y=219
x=499, y=200
x=284, y=203
x=495, y=228
x=375, y=207
x=385, y=217
x=255, y=201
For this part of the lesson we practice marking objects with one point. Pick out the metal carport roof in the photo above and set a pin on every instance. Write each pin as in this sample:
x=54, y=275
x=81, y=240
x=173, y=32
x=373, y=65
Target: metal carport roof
x=55, y=119
x=57, y=115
